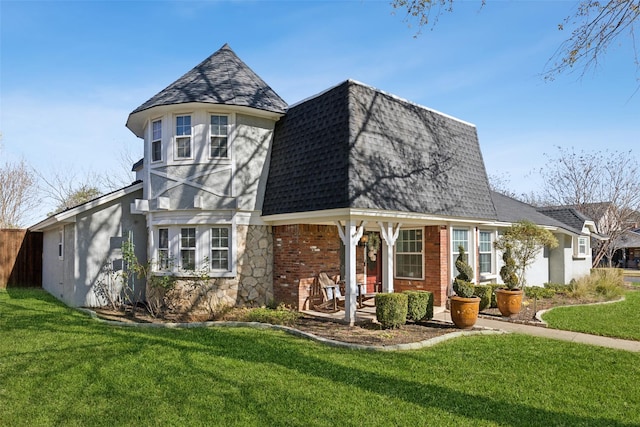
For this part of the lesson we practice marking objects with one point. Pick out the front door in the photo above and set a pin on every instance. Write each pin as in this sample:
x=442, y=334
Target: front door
x=374, y=263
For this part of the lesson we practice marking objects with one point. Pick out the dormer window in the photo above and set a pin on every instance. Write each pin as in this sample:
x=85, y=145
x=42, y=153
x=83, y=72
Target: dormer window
x=219, y=130
x=183, y=137
x=156, y=141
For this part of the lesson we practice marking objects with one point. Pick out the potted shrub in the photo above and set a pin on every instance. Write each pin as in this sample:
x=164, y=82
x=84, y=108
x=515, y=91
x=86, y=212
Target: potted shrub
x=509, y=299
x=464, y=305
x=520, y=244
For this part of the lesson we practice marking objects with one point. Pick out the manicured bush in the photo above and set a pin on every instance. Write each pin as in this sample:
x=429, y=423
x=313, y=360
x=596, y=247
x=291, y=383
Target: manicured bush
x=494, y=302
x=484, y=292
x=419, y=305
x=558, y=287
x=539, y=292
x=391, y=309
x=279, y=316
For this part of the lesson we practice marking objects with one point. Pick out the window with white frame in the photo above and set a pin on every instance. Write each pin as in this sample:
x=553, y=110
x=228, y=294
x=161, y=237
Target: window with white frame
x=188, y=248
x=156, y=141
x=163, y=248
x=459, y=237
x=582, y=246
x=183, y=137
x=61, y=243
x=219, y=130
x=220, y=248
x=409, y=254
x=485, y=248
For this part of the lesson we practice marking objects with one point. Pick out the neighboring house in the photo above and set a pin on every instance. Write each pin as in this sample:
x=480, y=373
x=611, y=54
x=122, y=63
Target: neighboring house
x=261, y=197
x=628, y=255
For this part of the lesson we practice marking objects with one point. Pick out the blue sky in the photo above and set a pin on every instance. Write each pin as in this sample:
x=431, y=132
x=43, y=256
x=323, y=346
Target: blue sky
x=71, y=72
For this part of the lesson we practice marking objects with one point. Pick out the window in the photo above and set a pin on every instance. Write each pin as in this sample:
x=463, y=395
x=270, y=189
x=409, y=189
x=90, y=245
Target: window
x=188, y=248
x=460, y=237
x=220, y=248
x=61, y=243
x=163, y=249
x=409, y=258
x=484, y=250
x=219, y=130
x=156, y=141
x=582, y=246
x=183, y=136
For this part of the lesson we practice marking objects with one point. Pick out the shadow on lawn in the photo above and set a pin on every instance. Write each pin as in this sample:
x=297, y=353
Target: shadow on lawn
x=110, y=344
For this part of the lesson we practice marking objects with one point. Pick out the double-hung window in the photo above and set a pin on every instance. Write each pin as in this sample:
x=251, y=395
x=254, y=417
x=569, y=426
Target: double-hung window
x=188, y=248
x=156, y=141
x=219, y=129
x=163, y=249
x=183, y=137
x=409, y=255
x=583, y=245
x=460, y=237
x=220, y=248
x=485, y=248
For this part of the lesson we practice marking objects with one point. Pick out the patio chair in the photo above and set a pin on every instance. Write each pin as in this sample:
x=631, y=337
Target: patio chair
x=331, y=293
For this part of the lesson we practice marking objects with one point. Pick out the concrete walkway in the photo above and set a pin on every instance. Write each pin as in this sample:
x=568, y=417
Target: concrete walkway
x=557, y=334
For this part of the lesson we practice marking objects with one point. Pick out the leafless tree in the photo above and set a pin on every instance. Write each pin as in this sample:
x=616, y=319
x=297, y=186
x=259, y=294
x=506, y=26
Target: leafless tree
x=18, y=194
x=604, y=186
x=594, y=26
x=66, y=189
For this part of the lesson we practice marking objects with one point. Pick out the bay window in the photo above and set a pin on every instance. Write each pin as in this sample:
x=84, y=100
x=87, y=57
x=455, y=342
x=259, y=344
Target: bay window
x=219, y=130
x=163, y=249
x=183, y=136
x=220, y=248
x=156, y=141
x=188, y=248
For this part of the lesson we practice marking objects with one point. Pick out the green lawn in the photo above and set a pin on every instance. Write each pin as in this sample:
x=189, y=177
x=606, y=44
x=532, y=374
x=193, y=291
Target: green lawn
x=58, y=367
x=619, y=319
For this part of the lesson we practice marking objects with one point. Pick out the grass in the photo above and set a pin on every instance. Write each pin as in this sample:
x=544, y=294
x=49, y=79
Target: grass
x=618, y=319
x=58, y=367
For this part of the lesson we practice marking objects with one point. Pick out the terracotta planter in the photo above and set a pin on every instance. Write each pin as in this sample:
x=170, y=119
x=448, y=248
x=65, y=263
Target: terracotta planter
x=509, y=302
x=464, y=311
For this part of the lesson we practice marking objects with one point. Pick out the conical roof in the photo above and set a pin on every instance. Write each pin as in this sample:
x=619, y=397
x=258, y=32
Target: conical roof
x=222, y=78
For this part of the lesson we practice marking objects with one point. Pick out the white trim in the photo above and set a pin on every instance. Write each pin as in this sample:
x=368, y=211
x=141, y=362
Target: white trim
x=175, y=137
x=68, y=215
x=396, y=97
x=422, y=253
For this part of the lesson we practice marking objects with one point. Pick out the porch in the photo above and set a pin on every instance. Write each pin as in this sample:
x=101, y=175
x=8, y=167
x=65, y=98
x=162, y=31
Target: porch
x=303, y=251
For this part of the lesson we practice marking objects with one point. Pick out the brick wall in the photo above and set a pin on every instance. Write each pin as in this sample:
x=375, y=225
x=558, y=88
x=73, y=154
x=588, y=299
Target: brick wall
x=436, y=253
x=300, y=253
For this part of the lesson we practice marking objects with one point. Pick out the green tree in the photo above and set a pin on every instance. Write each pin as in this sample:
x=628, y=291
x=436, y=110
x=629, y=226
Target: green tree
x=525, y=240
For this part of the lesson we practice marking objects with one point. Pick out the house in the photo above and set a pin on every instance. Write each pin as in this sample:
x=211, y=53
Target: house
x=261, y=196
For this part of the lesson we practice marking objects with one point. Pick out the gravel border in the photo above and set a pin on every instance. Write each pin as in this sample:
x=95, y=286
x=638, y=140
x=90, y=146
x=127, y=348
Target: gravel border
x=296, y=332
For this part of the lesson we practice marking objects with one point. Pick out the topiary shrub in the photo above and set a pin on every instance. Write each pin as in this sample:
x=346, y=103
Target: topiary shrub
x=462, y=285
x=484, y=292
x=419, y=305
x=391, y=309
x=508, y=270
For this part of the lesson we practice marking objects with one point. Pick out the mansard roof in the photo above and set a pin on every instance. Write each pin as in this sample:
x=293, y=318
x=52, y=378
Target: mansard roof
x=222, y=79
x=354, y=146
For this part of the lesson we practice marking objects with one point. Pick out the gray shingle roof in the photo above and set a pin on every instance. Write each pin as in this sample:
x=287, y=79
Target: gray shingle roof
x=512, y=210
x=222, y=78
x=566, y=215
x=354, y=146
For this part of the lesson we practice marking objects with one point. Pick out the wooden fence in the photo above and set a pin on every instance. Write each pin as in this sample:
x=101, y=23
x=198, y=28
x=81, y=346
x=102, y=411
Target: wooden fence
x=20, y=258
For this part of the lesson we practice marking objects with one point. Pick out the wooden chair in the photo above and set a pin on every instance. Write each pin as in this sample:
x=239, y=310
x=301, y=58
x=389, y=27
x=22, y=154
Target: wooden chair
x=332, y=296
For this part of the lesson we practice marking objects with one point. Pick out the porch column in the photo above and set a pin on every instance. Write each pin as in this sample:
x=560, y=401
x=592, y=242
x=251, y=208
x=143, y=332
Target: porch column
x=389, y=235
x=350, y=235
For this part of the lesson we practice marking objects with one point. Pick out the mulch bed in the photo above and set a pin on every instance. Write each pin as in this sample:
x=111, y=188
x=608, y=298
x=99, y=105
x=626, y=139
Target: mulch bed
x=366, y=333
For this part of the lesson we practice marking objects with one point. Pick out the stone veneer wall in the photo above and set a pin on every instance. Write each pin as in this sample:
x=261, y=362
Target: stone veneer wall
x=436, y=253
x=300, y=253
x=252, y=286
